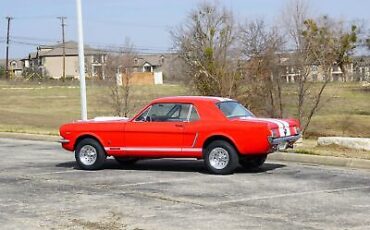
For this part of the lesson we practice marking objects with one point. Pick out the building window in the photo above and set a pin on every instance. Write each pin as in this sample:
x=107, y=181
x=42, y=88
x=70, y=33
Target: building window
x=147, y=68
x=96, y=58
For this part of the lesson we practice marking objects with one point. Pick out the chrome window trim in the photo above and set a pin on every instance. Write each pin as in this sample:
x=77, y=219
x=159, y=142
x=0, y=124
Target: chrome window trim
x=189, y=112
x=147, y=112
x=191, y=107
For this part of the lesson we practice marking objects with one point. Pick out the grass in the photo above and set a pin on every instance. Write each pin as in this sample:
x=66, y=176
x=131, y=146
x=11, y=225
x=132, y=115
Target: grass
x=42, y=108
x=345, y=111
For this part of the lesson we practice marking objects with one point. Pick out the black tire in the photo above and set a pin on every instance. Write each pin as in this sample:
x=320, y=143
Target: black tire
x=90, y=145
x=253, y=162
x=226, y=148
x=126, y=160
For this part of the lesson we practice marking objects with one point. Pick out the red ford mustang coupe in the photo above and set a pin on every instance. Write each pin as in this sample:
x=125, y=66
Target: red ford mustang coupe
x=219, y=130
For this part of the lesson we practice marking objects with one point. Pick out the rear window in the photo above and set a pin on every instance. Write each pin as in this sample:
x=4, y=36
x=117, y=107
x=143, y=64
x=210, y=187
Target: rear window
x=233, y=109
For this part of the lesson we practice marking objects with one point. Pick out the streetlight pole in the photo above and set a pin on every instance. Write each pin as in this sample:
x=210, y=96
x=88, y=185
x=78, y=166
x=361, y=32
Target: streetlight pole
x=81, y=59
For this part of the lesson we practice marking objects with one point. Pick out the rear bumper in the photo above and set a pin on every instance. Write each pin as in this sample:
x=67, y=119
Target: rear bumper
x=279, y=140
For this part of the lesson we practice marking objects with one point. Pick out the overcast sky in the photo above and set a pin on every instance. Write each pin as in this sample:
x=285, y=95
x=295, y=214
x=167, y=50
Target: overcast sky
x=146, y=23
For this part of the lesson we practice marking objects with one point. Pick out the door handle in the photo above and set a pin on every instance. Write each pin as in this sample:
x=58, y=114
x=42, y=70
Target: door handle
x=179, y=125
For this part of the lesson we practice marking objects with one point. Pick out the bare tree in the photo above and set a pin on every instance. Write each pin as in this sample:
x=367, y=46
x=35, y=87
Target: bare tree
x=206, y=45
x=261, y=46
x=314, y=43
x=346, y=43
x=119, y=71
x=325, y=46
x=292, y=17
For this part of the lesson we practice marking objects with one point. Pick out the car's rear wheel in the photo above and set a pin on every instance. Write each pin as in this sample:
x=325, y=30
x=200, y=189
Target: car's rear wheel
x=220, y=157
x=126, y=160
x=253, y=162
x=89, y=154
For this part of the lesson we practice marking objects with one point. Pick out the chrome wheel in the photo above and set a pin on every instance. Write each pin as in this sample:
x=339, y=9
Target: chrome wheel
x=88, y=155
x=219, y=158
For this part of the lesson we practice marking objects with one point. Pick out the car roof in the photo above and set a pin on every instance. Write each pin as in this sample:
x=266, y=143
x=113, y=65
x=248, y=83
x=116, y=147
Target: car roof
x=190, y=99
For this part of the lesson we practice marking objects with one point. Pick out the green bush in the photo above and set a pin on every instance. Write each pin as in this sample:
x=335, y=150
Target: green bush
x=2, y=72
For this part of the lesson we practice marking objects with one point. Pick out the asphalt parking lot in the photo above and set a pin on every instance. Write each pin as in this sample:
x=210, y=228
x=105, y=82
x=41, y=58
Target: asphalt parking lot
x=40, y=188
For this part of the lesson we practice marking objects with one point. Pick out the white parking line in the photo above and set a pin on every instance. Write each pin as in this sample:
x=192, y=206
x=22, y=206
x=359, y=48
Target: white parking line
x=291, y=195
x=153, y=182
x=123, y=185
x=61, y=172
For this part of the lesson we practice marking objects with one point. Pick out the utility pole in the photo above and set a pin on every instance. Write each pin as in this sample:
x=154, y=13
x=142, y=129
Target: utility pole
x=64, y=47
x=7, y=76
x=81, y=59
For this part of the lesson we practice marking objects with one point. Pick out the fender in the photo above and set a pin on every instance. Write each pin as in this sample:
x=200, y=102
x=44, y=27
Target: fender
x=218, y=135
x=73, y=140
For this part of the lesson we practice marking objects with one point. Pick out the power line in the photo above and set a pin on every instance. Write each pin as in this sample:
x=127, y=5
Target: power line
x=35, y=17
x=108, y=49
x=130, y=24
x=33, y=38
x=110, y=22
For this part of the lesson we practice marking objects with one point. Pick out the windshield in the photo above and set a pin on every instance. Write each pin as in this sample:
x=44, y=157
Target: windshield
x=233, y=109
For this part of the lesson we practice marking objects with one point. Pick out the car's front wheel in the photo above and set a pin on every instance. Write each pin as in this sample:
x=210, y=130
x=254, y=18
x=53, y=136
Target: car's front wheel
x=220, y=157
x=253, y=162
x=89, y=154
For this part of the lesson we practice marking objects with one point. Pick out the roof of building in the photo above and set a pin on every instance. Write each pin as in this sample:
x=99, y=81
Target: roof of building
x=33, y=55
x=18, y=61
x=19, y=65
x=362, y=60
x=71, y=49
x=152, y=59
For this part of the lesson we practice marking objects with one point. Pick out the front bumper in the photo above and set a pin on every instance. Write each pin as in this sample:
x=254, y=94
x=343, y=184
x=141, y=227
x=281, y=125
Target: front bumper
x=63, y=141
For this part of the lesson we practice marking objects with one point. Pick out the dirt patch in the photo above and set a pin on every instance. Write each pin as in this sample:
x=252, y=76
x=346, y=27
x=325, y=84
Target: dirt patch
x=113, y=222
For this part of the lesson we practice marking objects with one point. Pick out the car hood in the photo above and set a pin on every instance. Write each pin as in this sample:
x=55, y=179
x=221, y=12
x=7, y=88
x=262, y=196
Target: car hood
x=105, y=119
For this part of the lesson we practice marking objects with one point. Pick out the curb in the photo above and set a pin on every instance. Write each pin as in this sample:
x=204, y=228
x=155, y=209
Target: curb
x=321, y=160
x=27, y=136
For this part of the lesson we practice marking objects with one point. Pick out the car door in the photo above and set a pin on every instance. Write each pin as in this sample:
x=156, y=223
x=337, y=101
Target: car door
x=157, y=132
x=191, y=131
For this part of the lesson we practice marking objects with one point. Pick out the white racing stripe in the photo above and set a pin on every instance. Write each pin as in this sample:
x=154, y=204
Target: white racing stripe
x=281, y=124
x=153, y=149
x=286, y=125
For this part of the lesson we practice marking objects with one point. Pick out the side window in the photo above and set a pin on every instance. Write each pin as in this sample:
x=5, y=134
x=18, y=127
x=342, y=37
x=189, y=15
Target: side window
x=143, y=115
x=181, y=113
x=162, y=112
x=167, y=112
x=193, y=114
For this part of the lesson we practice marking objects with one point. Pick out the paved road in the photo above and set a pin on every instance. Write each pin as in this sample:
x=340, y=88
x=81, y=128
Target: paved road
x=41, y=189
